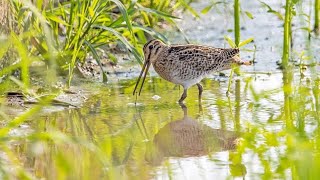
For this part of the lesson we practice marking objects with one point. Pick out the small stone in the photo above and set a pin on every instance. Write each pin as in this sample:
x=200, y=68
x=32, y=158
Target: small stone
x=156, y=97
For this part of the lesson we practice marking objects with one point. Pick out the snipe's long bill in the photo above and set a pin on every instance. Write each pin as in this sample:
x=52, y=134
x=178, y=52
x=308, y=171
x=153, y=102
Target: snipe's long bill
x=186, y=65
x=144, y=72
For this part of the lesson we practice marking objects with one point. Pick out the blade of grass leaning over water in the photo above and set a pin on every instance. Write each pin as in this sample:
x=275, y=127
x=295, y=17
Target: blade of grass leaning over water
x=131, y=49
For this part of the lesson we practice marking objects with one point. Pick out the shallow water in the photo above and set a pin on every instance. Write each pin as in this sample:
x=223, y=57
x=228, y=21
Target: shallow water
x=242, y=135
x=266, y=128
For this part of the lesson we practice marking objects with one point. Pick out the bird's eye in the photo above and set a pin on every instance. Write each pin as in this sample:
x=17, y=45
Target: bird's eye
x=151, y=47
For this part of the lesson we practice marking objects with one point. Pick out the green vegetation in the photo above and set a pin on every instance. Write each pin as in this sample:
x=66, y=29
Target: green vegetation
x=61, y=35
x=237, y=22
x=317, y=16
x=287, y=33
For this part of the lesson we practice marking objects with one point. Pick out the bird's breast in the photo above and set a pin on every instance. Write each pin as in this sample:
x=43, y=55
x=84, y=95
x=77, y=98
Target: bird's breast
x=164, y=69
x=178, y=72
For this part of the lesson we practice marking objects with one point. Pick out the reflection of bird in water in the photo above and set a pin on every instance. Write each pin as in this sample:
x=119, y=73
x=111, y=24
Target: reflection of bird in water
x=188, y=137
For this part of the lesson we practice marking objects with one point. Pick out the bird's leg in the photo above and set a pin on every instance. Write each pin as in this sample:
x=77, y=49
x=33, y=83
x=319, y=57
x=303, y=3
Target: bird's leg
x=230, y=81
x=200, y=90
x=183, y=96
x=184, y=107
x=200, y=94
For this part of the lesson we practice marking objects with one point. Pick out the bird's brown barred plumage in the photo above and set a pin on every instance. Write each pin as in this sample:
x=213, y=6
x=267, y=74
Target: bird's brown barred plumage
x=187, y=65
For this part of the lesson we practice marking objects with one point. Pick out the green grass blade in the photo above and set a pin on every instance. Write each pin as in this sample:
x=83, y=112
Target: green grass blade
x=23, y=53
x=125, y=16
x=132, y=49
x=4, y=46
x=8, y=70
x=270, y=10
x=246, y=41
x=209, y=7
x=156, y=12
x=189, y=8
x=97, y=58
x=151, y=32
x=56, y=19
x=230, y=41
x=249, y=14
x=119, y=21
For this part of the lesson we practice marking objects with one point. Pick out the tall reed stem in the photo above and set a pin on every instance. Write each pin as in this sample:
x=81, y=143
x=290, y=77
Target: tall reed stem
x=237, y=22
x=287, y=91
x=317, y=16
x=236, y=15
x=286, y=34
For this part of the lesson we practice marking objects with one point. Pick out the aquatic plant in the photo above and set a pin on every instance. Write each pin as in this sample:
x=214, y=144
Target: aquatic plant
x=287, y=33
x=237, y=22
x=317, y=16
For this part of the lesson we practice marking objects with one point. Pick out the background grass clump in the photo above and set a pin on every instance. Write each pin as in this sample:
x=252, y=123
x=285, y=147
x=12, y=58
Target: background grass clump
x=60, y=34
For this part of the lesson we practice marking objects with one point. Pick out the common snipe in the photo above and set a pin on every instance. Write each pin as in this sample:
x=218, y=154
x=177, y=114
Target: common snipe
x=186, y=65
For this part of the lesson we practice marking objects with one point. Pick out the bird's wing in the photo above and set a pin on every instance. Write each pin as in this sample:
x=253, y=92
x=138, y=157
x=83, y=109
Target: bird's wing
x=189, y=52
x=203, y=58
